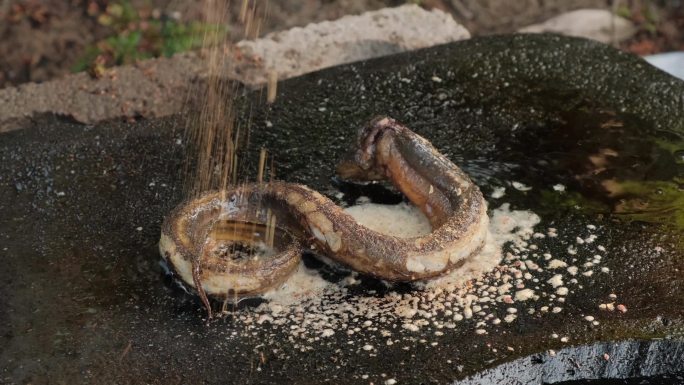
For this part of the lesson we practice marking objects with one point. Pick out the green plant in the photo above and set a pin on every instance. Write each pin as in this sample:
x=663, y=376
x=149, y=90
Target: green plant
x=139, y=34
x=652, y=201
x=644, y=13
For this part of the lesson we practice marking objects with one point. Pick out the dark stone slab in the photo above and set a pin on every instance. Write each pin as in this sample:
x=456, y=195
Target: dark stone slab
x=84, y=299
x=605, y=363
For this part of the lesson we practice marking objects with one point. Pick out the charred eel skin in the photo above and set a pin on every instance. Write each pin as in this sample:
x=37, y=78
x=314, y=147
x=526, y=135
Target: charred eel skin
x=384, y=149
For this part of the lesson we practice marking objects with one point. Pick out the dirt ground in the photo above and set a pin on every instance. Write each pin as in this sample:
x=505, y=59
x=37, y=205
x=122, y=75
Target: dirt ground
x=44, y=39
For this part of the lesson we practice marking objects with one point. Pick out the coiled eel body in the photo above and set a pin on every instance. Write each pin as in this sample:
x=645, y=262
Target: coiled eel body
x=384, y=149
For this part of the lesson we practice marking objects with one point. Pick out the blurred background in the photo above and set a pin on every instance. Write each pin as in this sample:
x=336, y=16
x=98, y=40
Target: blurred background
x=44, y=39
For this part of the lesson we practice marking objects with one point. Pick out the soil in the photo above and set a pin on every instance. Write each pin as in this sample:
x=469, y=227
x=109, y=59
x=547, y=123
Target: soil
x=45, y=39
x=662, y=36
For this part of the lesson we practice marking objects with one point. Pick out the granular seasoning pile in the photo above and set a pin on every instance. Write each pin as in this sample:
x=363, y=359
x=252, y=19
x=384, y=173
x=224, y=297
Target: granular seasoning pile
x=513, y=276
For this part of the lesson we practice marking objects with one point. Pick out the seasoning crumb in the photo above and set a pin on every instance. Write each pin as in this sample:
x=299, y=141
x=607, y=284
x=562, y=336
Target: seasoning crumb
x=556, y=263
x=510, y=318
x=524, y=295
x=498, y=192
x=411, y=327
x=520, y=186
x=556, y=281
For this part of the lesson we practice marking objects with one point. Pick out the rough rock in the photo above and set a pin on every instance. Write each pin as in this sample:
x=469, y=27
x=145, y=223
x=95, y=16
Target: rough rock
x=597, y=24
x=483, y=17
x=83, y=297
x=160, y=87
x=352, y=38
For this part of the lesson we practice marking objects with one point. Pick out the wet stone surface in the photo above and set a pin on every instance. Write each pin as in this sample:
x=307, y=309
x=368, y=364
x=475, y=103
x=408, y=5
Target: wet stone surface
x=560, y=123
